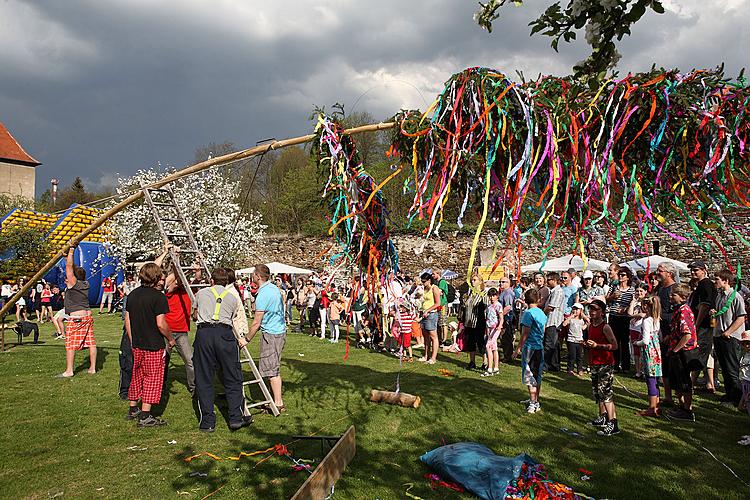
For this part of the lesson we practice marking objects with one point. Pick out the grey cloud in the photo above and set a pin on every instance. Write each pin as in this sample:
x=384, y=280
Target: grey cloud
x=169, y=77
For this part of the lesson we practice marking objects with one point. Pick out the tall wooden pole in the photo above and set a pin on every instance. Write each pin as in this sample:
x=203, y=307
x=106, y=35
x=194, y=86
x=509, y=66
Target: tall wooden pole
x=192, y=169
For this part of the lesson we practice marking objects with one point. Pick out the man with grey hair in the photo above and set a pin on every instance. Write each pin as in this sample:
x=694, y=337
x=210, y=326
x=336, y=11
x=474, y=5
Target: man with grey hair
x=667, y=274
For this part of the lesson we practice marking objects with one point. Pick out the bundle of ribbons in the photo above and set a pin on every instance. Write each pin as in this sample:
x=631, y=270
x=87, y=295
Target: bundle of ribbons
x=358, y=210
x=621, y=161
x=534, y=483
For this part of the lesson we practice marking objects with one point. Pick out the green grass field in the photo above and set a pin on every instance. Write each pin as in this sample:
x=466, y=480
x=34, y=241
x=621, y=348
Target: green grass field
x=68, y=437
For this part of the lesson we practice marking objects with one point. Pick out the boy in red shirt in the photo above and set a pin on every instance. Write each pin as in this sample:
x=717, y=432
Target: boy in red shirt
x=682, y=340
x=602, y=345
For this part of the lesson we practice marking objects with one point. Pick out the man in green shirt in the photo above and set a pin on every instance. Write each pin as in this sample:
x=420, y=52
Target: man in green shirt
x=442, y=324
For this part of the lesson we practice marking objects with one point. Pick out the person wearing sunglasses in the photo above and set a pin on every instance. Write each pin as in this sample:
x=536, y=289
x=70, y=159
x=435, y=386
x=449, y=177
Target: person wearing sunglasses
x=619, y=300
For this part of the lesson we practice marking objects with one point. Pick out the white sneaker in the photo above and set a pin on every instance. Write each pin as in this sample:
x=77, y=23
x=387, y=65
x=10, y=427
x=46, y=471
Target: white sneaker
x=496, y=370
x=487, y=374
x=533, y=407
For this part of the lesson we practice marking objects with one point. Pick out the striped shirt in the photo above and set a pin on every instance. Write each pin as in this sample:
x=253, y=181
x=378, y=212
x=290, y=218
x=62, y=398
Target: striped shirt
x=619, y=307
x=405, y=321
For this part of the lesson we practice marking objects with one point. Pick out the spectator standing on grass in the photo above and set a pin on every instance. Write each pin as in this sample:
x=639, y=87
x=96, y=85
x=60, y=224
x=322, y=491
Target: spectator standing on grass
x=577, y=322
x=6, y=292
x=667, y=274
x=108, y=294
x=619, y=299
x=429, y=321
x=494, y=320
x=80, y=324
x=635, y=311
x=540, y=283
x=507, y=336
x=602, y=344
x=682, y=341
x=650, y=353
x=471, y=317
x=300, y=301
x=46, y=303
x=442, y=311
x=589, y=291
x=269, y=319
x=730, y=319
x=147, y=329
x=323, y=305
x=336, y=308
x=702, y=300
x=555, y=310
x=531, y=348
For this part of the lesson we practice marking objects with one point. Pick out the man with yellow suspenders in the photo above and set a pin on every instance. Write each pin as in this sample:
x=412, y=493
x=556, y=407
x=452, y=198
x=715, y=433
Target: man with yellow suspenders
x=215, y=345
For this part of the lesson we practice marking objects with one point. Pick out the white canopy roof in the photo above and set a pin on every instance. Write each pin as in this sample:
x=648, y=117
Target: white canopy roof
x=653, y=261
x=566, y=262
x=277, y=268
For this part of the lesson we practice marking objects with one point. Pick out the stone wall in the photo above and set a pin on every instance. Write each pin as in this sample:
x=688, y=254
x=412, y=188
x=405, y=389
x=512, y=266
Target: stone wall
x=452, y=251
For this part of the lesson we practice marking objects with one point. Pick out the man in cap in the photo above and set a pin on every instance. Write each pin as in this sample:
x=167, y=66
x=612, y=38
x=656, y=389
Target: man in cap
x=701, y=302
x=574, y=279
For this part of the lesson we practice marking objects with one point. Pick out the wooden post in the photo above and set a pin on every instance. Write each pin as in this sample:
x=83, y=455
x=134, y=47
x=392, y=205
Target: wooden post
x=318, y=485
x=192, y=169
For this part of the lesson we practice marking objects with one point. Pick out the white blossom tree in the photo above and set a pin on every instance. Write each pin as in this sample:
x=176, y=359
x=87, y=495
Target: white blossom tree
x=209, y=202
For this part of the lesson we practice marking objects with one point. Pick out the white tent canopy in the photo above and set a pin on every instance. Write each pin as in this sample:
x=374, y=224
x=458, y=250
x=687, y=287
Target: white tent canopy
x=277, y=268
x=652, y=262
x=566, y=262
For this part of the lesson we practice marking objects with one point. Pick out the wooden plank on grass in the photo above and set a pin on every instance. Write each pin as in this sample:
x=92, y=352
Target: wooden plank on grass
x=318, y=485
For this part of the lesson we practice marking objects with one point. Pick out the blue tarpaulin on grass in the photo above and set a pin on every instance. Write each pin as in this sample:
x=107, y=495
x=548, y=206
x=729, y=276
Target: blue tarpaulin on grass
x=476, y=468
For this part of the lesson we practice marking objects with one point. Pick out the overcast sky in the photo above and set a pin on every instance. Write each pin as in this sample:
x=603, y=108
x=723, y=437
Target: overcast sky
x=99, y=87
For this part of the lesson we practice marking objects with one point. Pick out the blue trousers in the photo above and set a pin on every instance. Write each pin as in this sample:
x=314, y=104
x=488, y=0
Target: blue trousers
x=216, y=347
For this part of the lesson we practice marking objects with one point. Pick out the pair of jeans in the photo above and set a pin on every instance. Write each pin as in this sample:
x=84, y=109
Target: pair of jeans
x=185, y=350
x=575, y=356
x=727, y=350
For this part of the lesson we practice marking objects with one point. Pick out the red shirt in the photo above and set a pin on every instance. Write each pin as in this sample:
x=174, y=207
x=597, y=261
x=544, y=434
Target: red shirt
x=683, y=323
x=405, y=320
x=108, y=284
x=178, y=317
x=324, y=300
x=600, y=357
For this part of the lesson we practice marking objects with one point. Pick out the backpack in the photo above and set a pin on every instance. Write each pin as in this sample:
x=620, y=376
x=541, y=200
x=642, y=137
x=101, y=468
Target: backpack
x=451, y=293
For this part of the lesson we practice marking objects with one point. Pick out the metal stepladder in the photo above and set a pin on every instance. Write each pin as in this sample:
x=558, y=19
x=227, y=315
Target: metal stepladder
x=175, y=231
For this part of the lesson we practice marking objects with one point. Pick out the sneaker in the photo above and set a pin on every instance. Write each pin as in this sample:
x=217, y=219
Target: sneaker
x=744, y=442
x=599, y=421
x=609, y=429
x=487, y=374
x=471, y=366
x=681, y=414
x=207, y=429
x=533, y=407
x=496, y=370
x=246, y=421
x=649, y=412
x=151, y=421
x=132, y=415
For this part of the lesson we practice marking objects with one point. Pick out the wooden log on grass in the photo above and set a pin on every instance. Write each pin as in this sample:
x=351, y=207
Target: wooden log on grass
x=395, y=398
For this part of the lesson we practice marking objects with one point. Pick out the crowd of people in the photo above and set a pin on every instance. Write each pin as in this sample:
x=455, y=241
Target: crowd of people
x=649, y=326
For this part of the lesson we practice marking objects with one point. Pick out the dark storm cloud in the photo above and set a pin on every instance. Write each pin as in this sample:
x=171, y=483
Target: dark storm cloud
x=92, y=88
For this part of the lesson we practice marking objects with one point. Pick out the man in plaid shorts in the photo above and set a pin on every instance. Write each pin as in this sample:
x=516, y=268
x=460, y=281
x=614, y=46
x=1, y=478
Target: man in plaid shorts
x=79, y=326
x=146, y=327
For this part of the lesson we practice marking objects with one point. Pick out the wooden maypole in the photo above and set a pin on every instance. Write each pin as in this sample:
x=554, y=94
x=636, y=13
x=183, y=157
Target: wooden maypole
x=192, y=169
